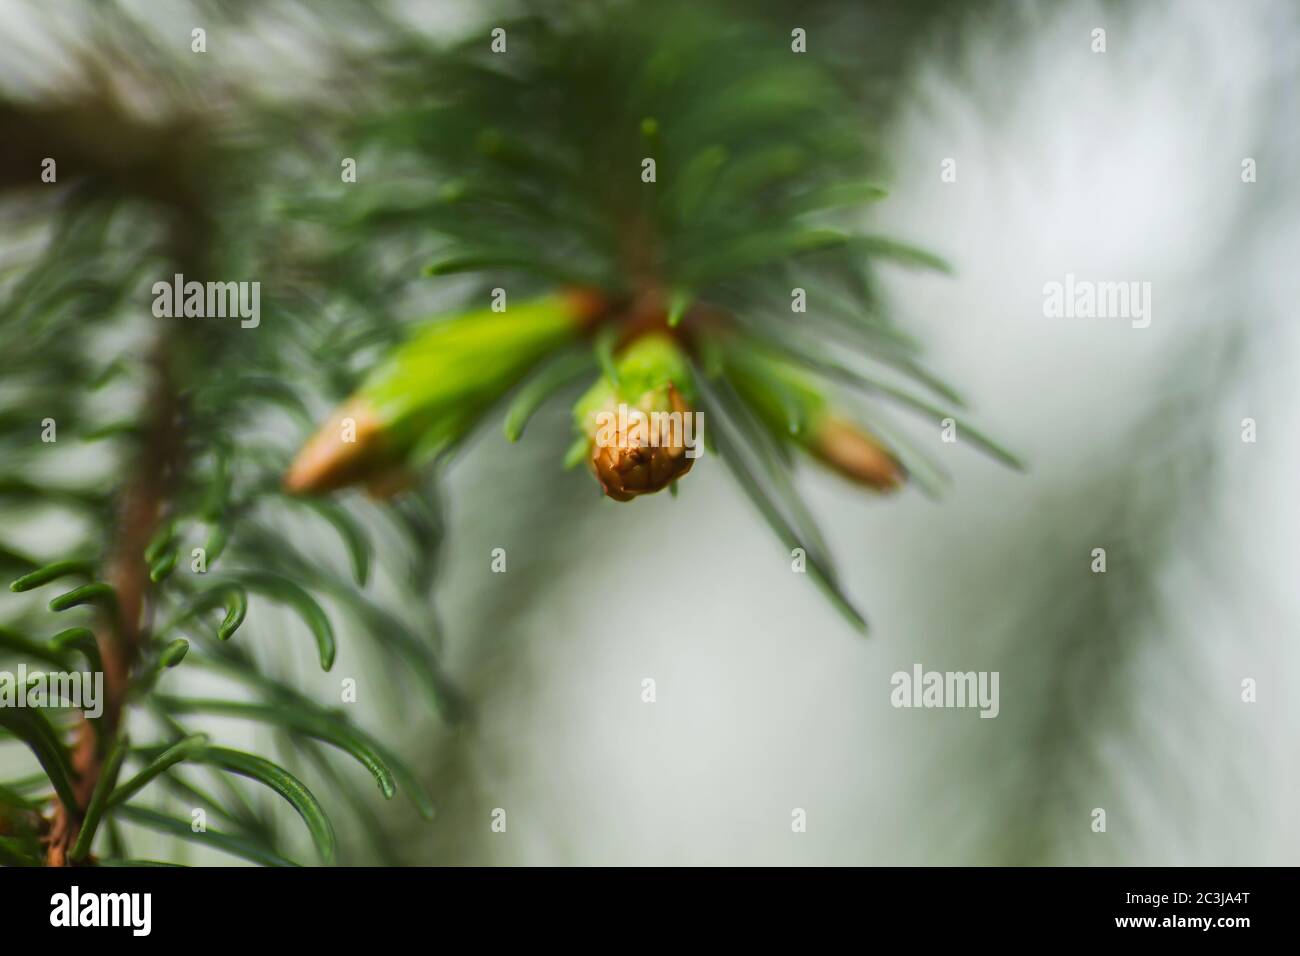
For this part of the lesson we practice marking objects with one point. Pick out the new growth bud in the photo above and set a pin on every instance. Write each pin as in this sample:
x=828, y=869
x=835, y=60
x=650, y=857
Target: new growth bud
x=431, y=391
x=641, y=430
x=794, y=409
x=341, y=453
x=855, y=454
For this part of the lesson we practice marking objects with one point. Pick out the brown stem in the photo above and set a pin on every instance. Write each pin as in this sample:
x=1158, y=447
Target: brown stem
x=121, y=633
x=95, y=140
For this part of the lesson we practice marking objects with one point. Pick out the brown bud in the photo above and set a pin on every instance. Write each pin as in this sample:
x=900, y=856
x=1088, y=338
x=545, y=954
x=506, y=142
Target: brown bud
x=345, y=450
x=636, y=463
x=856, y=455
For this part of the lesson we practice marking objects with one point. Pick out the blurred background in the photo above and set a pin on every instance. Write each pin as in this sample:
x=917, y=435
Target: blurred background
x=1120, y=691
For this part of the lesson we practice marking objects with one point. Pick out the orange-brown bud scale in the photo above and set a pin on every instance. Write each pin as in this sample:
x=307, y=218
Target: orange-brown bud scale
x=855, y=455
x=633, y=464
x=341, y=453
